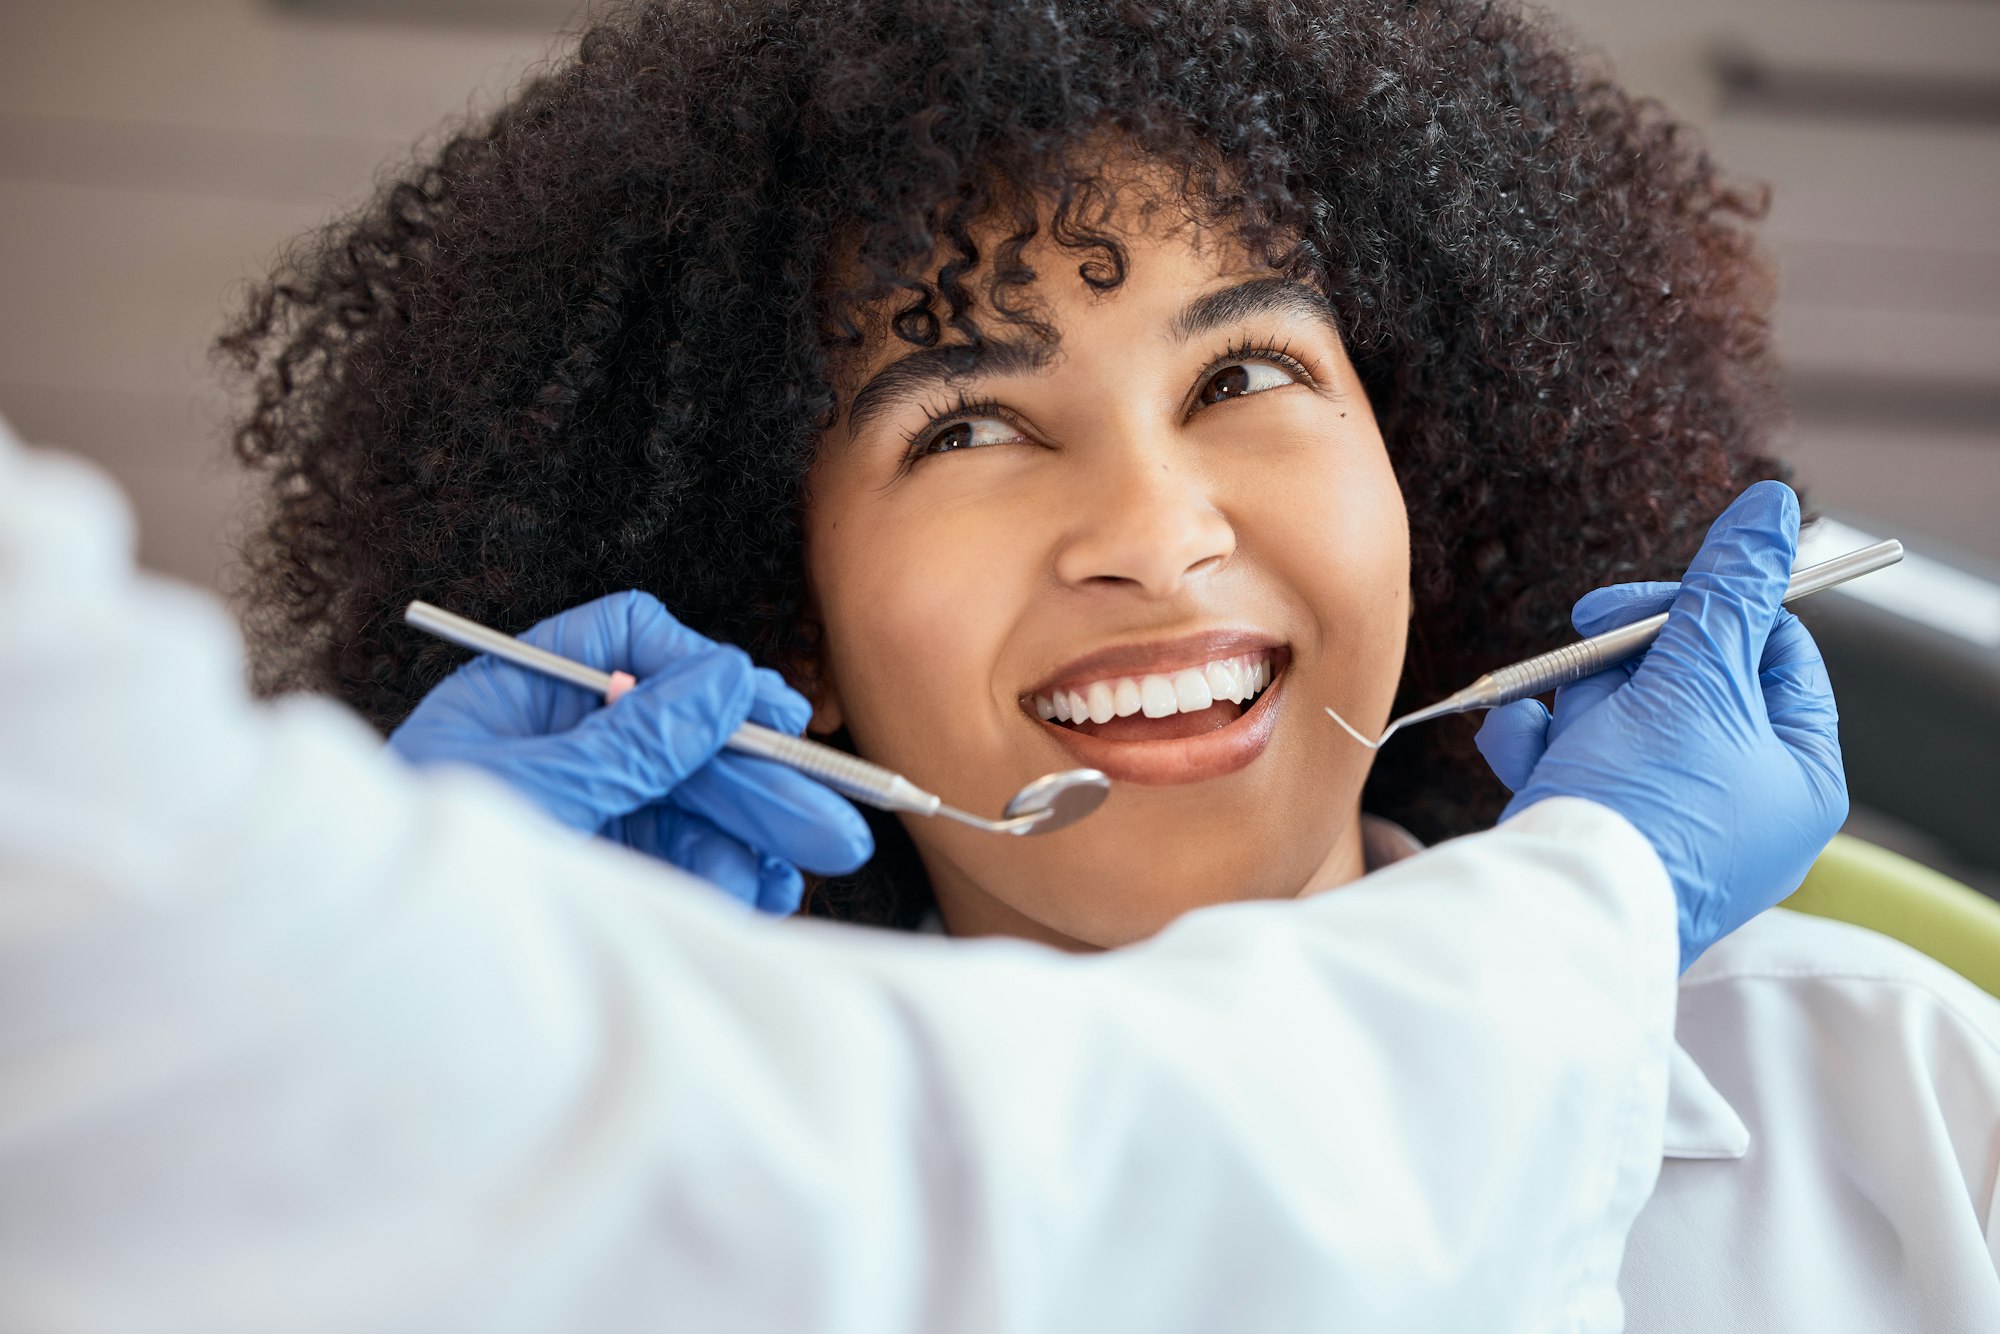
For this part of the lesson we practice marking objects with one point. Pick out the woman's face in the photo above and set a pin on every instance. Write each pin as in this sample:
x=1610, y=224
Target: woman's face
x=1184, y=494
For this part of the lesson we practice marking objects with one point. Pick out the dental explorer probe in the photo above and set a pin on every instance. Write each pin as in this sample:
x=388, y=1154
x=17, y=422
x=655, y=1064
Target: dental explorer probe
x=1572, y=662
x=1053, y=801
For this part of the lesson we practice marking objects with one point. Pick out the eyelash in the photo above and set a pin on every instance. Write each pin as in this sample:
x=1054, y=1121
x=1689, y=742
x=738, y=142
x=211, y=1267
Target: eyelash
x=964, y=409
x=959, y=410
x=1280, y=355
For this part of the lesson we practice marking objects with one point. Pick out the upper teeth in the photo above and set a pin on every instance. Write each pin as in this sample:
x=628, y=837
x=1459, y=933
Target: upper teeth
x=1187, y=691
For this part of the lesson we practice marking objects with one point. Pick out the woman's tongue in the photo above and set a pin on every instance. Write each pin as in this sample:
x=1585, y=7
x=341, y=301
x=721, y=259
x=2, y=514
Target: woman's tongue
x=1173, y=727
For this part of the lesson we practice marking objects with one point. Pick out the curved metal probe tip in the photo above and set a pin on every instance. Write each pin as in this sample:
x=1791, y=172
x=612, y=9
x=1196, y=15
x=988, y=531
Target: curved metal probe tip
x=1348, y=728
x=1420, y=716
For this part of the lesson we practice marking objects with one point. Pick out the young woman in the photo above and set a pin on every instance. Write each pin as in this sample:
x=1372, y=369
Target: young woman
x=1058, y=384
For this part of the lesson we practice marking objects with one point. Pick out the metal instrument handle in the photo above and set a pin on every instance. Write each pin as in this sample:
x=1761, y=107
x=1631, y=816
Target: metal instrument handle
x=471, y=634
x=848, y=774
x=882, y=788
x=1572, y=662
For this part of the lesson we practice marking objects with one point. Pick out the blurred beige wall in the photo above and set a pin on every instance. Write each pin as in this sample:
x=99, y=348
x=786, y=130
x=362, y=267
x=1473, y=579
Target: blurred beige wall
x=156, y=153
x=1877, y=124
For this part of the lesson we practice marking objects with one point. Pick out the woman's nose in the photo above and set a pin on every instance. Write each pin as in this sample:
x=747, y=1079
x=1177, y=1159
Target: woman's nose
x=1150, y=522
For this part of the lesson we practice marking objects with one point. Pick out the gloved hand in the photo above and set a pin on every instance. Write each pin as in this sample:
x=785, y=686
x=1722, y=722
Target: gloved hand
x=1719, y=744
x=648, y=771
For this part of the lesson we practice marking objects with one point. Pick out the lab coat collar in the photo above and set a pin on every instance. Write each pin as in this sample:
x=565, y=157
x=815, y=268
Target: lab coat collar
x=1700, y=1121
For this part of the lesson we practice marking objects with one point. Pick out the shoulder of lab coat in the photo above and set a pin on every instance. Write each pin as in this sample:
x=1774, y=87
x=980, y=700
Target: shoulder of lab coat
x=1833, y=1141
x=294, y=1038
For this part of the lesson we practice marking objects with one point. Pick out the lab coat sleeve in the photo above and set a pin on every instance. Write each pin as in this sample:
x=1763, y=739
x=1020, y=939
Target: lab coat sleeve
x=294, y=1038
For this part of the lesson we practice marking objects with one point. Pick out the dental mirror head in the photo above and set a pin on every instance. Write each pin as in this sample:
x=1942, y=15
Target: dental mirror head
x=1066, y=797
x=1053, y=801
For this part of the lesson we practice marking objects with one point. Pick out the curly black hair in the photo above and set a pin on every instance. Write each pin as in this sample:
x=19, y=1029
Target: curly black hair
x=589, y=343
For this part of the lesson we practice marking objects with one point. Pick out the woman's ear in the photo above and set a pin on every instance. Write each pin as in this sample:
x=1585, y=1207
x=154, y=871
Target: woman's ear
x=811, y=674
x=807, y=672
x=828, y=716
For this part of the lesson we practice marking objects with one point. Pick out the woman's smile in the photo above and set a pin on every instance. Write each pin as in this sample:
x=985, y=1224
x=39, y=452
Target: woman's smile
x=1178, y=711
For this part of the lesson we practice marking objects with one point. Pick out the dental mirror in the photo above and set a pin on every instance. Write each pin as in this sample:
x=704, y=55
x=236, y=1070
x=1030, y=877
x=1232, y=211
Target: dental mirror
x=1061, y=798
x=1053, y=801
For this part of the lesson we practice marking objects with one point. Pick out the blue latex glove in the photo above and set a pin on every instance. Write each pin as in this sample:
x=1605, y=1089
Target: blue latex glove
x=1720, y=744
x=649, y=771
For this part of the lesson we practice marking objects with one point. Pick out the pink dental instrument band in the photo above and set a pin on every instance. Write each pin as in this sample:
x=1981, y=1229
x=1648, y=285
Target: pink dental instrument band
x=1053, y=801
x=1573, y=662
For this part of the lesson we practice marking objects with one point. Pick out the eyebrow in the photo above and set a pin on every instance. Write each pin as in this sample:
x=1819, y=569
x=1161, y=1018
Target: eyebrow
x=1259, y=296
x=933, y=368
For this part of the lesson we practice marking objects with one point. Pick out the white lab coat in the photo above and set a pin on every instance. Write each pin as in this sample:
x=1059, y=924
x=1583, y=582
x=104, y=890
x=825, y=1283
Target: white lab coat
x=292, y=1038
x=1833, y=1139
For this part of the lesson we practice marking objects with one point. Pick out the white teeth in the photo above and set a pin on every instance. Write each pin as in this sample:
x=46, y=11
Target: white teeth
x=1157, y=698
x=1191, y=690
x=1222, y=682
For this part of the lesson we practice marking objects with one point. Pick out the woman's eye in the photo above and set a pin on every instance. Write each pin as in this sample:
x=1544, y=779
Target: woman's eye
x=1244, y=377
x=968, y=434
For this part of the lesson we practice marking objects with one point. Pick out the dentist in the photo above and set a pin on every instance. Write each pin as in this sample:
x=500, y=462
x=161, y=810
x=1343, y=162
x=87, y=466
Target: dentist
x=295, y=1035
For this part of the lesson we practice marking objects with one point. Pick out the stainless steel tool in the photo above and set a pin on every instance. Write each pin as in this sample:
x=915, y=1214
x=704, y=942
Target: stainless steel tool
x=1573, y=662
x=1053, y=801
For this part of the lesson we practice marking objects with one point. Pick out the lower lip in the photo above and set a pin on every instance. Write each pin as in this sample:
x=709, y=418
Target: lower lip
x=1189, y=759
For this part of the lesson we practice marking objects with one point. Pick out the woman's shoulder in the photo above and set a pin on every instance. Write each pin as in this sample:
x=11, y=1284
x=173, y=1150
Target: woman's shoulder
x=1862, y=1079
x=1797, y=954
x=1793, y=1006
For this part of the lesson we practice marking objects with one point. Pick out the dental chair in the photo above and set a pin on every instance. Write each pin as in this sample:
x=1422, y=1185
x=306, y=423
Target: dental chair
x=1869, y=886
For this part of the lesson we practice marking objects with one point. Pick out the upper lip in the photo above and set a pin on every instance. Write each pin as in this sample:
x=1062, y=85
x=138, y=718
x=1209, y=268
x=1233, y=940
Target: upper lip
x=1158, y=657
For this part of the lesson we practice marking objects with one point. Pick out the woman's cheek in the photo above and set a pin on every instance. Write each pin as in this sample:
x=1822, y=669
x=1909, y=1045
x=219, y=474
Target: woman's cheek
x=1339, y=534
x=929, y=610
x=1328, y=503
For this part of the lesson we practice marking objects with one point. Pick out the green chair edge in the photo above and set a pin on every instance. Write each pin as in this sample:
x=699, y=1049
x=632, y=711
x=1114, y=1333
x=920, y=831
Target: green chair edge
x=1868, y=886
